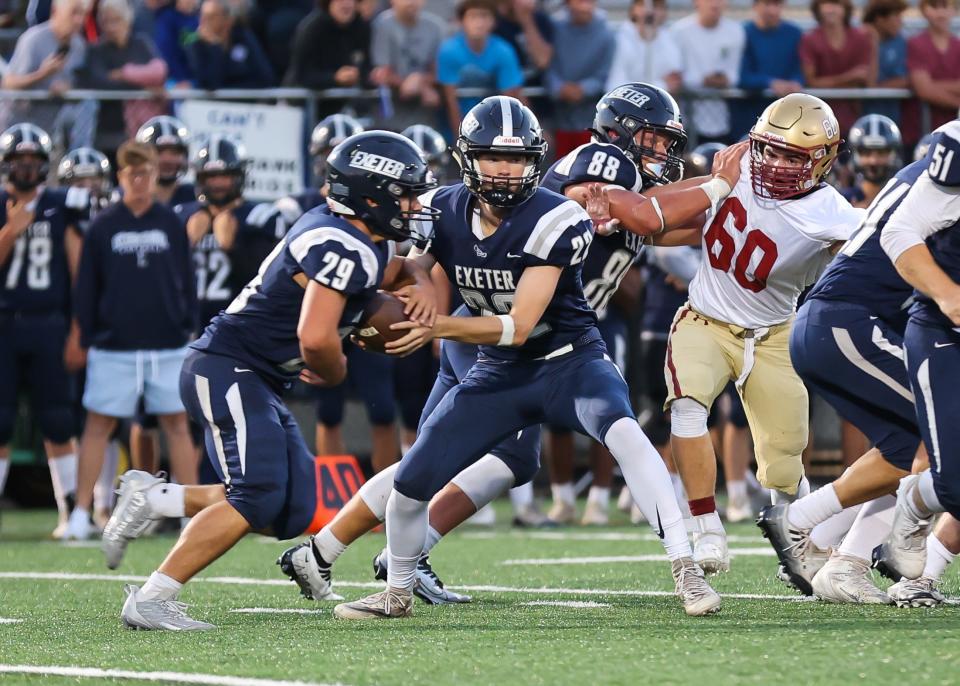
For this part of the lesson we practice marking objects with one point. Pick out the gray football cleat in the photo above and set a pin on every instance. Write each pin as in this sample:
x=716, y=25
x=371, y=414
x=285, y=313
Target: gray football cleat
x=692, y=588
x=800, y=559
x=389, y=604
x=920, y=592
x=132, y=515
x=846, y=579
x=904, y=553
x=300, y=563
x=428, y=587
x=157, y=615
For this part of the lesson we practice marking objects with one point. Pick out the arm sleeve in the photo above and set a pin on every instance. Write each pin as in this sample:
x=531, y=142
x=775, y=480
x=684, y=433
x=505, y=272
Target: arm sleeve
x=336, y=260
x=561, y=237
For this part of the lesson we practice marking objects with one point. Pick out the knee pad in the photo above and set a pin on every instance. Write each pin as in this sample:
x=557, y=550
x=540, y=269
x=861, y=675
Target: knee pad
x=485, y=479
x=688, y=418
x=56, y=423
x=376, y=491
x=8, y=416
x=382, y=413
x=782, y=474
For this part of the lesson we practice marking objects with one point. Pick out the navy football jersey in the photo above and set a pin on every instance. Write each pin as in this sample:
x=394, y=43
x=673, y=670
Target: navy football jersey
x=259, y=328
x=222, y=274
x=609, y=257
x=862, y=274
x=35, y=277
x=547, y=229
x=933, y=207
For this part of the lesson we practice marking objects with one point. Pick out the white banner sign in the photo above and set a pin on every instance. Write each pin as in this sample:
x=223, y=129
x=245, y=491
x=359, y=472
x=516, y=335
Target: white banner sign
x=272, y=134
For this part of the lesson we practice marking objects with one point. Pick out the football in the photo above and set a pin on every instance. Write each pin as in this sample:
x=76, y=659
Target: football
x=374, y=328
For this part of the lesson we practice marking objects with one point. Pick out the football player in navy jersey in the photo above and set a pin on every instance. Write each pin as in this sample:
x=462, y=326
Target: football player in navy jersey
x=876, y=142
x=171, y=139
x=922, y=239
x=326, y=135
x=40, y=244
x=514, y=251
x=847, y=346
x=88, y=169
x=288, y=322
x=230, y=235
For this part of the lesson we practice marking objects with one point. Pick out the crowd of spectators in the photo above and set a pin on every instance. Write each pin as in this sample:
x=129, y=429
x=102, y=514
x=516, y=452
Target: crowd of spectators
x=416, y=54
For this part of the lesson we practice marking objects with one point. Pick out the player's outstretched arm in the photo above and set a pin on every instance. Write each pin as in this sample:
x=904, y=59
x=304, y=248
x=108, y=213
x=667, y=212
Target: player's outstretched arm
x=534, y=292
x=677, y=205
x=320, y=344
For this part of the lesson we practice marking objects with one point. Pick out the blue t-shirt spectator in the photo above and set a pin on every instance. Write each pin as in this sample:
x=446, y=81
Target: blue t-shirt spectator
x=770, y=54
x=495, y=68
x=891, y=64
x=172, y=31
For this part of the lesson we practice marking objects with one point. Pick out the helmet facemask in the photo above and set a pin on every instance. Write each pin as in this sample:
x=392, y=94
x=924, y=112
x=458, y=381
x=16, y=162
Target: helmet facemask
x=875, y=171
x=220, y=196
x=779, y=181
x=169, y=172
x=496, y=190
x=25, y=171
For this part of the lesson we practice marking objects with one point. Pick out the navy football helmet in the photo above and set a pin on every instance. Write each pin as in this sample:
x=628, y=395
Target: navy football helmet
x=433, y=145
x=701, y=158
x=644, y=121
x=875, y=142
x=167, y=133
x=87, y=167
x=370, y=173
x=500, y=124
x=329, y=133
x=15, y=143
x=218, y=156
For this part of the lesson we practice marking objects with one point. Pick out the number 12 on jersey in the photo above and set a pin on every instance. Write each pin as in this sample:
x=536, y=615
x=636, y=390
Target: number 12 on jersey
x=721, y=247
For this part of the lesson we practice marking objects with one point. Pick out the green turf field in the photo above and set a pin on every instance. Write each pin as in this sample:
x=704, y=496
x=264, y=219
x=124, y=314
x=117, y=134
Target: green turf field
x=618, y=636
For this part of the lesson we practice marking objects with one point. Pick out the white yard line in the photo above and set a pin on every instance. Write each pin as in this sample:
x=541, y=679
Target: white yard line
x=65, y=576
x=585, y=536
x=169, y=677
x=604, y=559
x=578, y=604
x=8, y=620
x=276, y=611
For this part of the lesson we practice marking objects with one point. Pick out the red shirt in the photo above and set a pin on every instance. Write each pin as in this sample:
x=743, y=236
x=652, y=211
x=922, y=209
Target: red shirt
x=923, y=55
x=817, y=53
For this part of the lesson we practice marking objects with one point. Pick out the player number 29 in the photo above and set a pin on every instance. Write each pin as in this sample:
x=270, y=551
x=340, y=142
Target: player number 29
x=721, y=247
x=337, y=271
x=604, y=166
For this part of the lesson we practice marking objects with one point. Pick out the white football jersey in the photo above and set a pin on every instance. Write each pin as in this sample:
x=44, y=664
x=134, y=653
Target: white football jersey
x=759, y=255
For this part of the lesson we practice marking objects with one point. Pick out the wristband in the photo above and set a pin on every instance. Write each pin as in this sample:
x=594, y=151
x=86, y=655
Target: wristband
x=656, y=208
x=506, y=336
x=716, y=189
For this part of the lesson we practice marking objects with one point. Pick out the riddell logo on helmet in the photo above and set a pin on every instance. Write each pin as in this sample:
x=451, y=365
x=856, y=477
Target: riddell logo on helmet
x=630, y=95
x=508, y=140
x=377, y=164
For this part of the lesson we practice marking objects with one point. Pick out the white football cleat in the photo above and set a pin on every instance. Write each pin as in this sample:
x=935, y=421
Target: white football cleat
x=158, y=615
x=389, y=604
x=562, y=513
x=922, y=592
x=904, y=553
x=594, y=514
x=79, y=526
x=692, y=588
x=846, y=579
x=131, y=516
x=710, y=550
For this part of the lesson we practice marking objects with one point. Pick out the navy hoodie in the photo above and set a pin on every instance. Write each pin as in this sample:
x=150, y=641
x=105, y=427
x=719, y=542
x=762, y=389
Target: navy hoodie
x=135, y=290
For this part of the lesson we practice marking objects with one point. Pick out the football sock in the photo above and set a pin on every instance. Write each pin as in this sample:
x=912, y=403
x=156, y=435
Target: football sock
x=406, y=534
x=871, y=526
x=433, y=537
x=521, y=496
x=938, y=557
x=702, y=506
x=376, y=490
x=327, y=546
x=103, y=491
x=4, y=470
x=159, y=587
x=563, y=493
x=63, y=476
x=707, y=522
x=929, y=496
x=600, y=496
x=815, y=508
x=736, y=491
x=831, y=532
x=167, y=500
x=649, y=483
